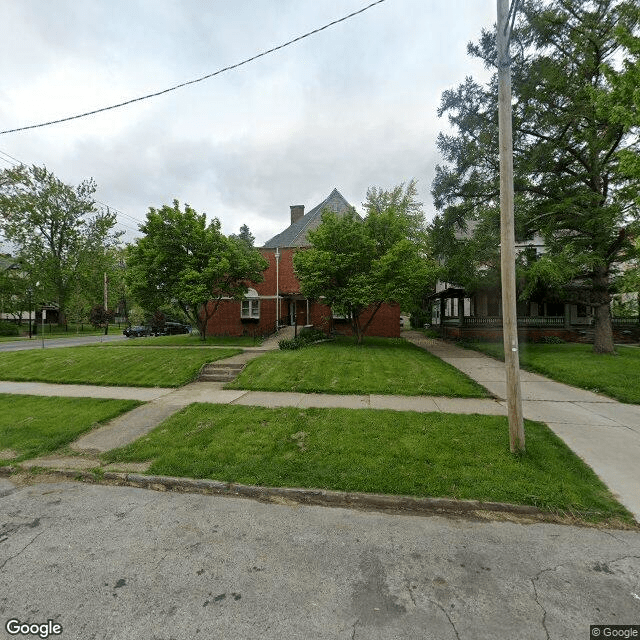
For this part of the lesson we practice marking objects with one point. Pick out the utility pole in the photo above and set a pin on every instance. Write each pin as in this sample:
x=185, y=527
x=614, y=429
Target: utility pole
x=506, y=18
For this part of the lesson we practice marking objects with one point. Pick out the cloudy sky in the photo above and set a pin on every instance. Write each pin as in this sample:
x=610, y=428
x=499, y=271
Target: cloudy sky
x=351, y=107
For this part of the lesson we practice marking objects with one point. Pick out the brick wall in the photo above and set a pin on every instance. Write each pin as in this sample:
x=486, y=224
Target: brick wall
x=227, y=320
x=286, y=277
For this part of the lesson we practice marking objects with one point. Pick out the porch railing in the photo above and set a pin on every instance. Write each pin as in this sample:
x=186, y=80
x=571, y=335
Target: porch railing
x=531, y=321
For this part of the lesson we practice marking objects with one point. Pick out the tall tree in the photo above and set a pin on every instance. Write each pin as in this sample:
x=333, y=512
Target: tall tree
x=181, y=259
x=58, y=232
x=568, y=143
x=358, y=265
x=245, y=235
x=13, y=288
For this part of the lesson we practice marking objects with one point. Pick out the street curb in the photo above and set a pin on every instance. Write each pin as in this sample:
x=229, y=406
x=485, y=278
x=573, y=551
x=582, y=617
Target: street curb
x=288, y=495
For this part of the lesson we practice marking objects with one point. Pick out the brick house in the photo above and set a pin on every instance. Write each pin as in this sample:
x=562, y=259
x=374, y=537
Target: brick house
x=278, y=300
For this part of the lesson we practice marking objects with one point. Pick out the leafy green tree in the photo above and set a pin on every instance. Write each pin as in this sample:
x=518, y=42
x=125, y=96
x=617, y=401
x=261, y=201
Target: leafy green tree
x=245, y=235
x=182, y=260
x=358, y=265
x=571, y=184
x=59, y=234
x=13, y=288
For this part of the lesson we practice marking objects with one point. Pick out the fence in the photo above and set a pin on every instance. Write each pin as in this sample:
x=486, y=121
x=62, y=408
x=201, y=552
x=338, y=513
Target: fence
x=533, y=321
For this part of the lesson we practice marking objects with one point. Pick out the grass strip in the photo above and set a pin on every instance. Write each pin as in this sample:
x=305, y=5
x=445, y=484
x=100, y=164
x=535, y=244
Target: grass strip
x=400, y=453
x=617, y=376
x=31, y=426
x=109, y=365
x=380, y=366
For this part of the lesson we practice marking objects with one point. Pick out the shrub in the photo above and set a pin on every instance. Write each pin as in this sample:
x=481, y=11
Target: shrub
x=552, y=340
x=99, y=316
x=9, y=329
x=290, y=345
x=307, y=336
x=419, y=318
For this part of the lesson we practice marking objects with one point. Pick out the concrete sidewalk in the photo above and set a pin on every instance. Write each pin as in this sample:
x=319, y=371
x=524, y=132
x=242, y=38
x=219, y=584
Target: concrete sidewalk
x=603, y=432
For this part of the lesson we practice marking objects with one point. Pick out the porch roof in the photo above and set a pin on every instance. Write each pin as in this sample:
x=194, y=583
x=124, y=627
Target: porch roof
x=449, y=292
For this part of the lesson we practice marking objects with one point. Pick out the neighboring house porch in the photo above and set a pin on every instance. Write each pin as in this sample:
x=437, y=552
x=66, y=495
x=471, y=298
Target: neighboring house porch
x=479, y=316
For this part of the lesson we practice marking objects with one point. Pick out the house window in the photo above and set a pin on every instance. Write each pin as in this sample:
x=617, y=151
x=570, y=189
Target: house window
x=250, y=309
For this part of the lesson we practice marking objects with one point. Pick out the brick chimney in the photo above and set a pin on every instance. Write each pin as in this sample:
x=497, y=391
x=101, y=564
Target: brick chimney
x=297, y=212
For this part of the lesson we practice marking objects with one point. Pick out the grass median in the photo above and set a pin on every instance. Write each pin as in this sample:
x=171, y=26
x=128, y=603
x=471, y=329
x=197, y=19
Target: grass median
x=109, y=365
x=399, y=453
x=617, y=376
x=32, y=426
x=379, y=366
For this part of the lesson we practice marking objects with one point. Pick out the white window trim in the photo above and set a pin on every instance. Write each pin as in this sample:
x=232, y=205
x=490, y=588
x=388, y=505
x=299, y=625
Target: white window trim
x=253, y=309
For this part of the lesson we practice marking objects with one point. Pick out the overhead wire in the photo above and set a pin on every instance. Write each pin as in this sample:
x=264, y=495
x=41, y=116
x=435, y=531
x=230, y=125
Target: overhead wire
x=13, y=161
x=196, y=80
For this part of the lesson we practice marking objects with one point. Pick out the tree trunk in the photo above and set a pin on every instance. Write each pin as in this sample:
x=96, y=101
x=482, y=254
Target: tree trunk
x=603, y=339
x=355, y=327
x=203, y=320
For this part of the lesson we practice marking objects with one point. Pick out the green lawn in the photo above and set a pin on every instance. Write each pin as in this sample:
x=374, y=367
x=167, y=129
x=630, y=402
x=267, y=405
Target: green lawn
x=109, y=365
x=32, y=426
x=402, y=453
x=617, y=376
x=381, y=366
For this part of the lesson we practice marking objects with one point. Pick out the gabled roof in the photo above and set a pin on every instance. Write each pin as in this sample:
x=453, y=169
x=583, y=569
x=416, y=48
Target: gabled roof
x=295, y=235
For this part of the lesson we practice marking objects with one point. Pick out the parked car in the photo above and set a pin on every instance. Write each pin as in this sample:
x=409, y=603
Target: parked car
x=175, y=328
x=137, y=331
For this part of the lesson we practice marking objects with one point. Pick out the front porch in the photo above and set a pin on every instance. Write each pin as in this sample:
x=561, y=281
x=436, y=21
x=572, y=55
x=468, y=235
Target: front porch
x=456, y=316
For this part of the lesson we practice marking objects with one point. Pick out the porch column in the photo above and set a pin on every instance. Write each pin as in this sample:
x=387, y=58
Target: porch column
x=567, y=315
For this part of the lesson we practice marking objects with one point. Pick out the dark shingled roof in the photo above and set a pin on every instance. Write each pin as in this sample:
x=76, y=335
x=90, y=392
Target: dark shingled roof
x=295, y=235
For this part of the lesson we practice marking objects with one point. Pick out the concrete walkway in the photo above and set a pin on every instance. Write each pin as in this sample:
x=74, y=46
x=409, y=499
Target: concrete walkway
x=603, y=432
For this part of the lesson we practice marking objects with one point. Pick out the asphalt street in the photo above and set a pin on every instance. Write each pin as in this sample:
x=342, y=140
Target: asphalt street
x=49, y=343
x=126, y=563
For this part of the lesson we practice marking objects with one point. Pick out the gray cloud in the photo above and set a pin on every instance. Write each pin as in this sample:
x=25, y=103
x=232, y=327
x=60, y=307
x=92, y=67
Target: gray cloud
x=352, y=107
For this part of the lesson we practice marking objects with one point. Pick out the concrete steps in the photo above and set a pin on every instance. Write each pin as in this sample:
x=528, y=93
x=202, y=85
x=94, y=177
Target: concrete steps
x=220, y=372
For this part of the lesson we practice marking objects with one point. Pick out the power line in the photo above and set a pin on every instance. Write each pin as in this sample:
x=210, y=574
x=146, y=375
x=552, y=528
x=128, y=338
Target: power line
x=12, y=160
x=201, y=79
